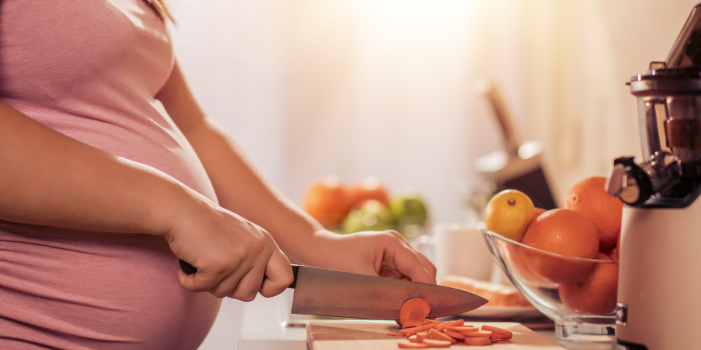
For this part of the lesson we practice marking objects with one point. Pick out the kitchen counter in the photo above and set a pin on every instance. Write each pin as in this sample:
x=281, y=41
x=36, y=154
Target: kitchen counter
x=262, y=330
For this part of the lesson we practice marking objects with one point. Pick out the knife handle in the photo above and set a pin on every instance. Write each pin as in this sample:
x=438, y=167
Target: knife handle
x=189, y=269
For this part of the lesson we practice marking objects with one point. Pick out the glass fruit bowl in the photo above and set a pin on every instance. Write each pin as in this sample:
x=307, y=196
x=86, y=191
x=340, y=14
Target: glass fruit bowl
x=578, y=294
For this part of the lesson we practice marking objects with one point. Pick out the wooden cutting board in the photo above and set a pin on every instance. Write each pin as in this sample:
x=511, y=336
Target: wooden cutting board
x=364, y=335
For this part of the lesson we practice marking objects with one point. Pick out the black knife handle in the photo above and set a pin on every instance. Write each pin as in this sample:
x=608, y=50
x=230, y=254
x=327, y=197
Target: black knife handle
x=189, y=269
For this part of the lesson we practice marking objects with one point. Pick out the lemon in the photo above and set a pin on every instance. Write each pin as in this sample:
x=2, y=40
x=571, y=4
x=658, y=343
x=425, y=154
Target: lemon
x=509, y=213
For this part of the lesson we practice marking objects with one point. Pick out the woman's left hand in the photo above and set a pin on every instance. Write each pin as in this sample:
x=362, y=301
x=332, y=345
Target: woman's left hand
x=382, y=253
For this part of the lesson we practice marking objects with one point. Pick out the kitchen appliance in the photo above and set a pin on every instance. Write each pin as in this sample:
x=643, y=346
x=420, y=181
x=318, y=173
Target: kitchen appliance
x=343, y=294
x=659, y=251
x=519, y=165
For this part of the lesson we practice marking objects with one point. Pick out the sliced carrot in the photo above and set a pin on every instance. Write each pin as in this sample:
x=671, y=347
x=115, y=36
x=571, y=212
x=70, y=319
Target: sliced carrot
x=440, y=336
x=501, y=332
x=402, y=345
x=396, y=334
x=404, y=331
x=437, y=343
x=419, y=329
x=494, y=338
x=421, y=336
x=456, y=323
x=478, y=341
x=414, y=312
x=453, y=334
x=478, y=334
x=415, y=339
x=465, y=330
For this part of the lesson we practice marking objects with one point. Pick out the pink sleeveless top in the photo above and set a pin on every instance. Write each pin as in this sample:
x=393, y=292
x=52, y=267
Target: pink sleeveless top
x=90, y=69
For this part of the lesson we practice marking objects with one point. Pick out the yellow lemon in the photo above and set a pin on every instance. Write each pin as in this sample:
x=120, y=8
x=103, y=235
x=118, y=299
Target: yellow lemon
x=509, y=213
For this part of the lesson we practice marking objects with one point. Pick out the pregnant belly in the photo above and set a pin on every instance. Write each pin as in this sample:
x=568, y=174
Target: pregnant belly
x=76, y=289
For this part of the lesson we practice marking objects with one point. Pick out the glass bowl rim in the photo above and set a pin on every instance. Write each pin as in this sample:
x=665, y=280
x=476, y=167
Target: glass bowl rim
x=498, y=236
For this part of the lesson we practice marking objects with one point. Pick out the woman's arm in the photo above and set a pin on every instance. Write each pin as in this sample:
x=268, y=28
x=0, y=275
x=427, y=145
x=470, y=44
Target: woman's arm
x=47, y=178
x=243, y=190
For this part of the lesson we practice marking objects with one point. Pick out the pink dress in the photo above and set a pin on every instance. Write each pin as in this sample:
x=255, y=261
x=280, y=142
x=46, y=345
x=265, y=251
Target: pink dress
x=90, y=69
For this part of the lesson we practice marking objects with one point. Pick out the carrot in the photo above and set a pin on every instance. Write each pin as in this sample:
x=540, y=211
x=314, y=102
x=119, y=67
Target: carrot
x=414, y=312
x=419, y=329
x=421, y=336
x=415, y=339
x=501, y=332
x=478, y=334
x=396, y=334
x=494, y=338
x=453, y=334
x=465, y=330
x=440, y=336
x=404, y=331
x=412, y=346
x=455, y=323
x=437, y=343
x=478, y=341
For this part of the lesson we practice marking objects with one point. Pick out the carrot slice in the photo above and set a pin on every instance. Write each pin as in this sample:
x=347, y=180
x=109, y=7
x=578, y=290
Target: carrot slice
x=501, y=332
x=404, y=331
x=440, y=336
x=453, y=334
x=415, y=339
x=494, y=338
x=421, y=336
x=419, y=329
x=396, y=334
x=465, y=330
x=478, y=341
x=456, y=323
x=478, y=334
x=402, y=345
x=437, y=343
x=414, y=312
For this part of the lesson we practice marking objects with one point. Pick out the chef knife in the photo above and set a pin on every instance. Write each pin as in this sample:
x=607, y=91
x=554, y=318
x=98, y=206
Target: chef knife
x=343, y=294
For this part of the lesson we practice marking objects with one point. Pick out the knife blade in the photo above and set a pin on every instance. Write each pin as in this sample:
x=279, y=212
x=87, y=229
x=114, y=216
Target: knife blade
x=325, y=292
x=343, y=294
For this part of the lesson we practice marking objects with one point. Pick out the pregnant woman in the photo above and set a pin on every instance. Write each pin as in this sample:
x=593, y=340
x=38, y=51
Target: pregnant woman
x=110, y=172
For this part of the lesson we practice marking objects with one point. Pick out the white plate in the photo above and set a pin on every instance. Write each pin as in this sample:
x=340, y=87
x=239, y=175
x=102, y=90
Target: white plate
x=503, y=312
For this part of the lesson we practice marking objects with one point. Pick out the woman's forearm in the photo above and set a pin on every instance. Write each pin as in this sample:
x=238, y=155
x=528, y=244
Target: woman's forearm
x=243, y=190
x=47, y=178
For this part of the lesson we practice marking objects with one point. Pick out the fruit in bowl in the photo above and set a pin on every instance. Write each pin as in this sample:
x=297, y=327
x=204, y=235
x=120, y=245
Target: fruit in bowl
x=561, y=262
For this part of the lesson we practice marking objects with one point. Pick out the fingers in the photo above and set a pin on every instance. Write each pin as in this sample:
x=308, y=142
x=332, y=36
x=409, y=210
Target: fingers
x=409, y=261
x=428, y=265
x=279, y=274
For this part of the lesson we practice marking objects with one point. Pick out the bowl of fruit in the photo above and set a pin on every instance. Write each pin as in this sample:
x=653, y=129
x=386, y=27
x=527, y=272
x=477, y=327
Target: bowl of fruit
x=563, y=261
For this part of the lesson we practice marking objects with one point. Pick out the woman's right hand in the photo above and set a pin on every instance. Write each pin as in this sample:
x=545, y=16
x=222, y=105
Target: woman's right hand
x=232, y=255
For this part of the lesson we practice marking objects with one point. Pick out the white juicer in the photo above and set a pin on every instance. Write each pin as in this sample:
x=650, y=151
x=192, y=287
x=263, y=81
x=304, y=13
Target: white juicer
x=659, y=286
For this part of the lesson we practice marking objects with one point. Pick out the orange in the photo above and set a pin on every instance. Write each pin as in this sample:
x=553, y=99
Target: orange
x=595, y=292
x=368, y=188
x=537, y=211
x=509, y=213
x=565, y=232
x=327, y=201
x=590, y=198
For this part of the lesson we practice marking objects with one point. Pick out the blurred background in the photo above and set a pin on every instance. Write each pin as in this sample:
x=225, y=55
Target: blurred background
x=384, y=87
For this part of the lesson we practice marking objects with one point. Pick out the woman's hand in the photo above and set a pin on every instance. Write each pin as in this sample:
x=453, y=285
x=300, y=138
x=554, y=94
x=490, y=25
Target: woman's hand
x=384, y=253
x=231, y=254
